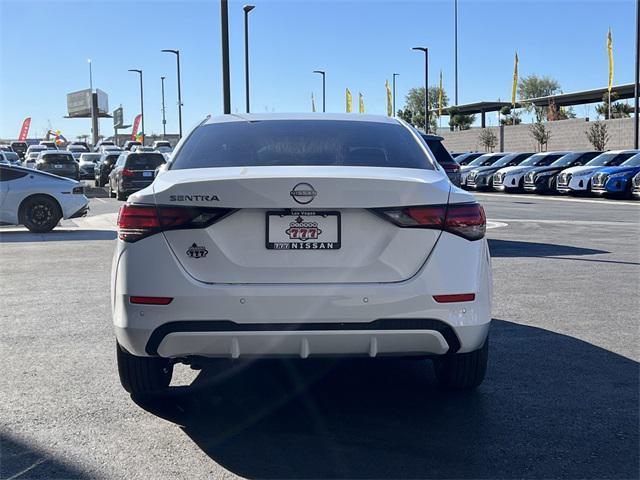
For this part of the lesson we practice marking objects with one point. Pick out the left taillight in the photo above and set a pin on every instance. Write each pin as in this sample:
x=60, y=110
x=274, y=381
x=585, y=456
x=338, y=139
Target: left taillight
x=138, y=221
x=466, y=220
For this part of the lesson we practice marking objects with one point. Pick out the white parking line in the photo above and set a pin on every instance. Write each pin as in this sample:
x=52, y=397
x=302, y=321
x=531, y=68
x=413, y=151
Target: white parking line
x=557, y=199
x=495, y=224
x=567, y=222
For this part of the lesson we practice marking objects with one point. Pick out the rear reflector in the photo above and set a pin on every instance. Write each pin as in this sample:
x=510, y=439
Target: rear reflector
x=139, y=221
x=151, y=300
x=460, y=297
x=466, y=220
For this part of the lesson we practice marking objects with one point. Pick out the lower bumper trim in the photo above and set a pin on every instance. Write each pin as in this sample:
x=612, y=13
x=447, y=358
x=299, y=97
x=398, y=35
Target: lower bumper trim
x=205, y=326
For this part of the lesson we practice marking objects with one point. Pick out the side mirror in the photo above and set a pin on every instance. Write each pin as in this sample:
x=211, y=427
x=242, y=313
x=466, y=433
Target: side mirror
x=576, y=163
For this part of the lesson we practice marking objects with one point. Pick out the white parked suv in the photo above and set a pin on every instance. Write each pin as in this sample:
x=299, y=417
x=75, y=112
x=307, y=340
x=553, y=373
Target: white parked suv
x=303, y=236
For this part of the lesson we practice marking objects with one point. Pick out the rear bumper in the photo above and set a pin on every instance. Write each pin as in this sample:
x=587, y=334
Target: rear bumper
x=223, y=320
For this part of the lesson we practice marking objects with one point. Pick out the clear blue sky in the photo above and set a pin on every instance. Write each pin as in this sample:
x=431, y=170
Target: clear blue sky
x=44, y=47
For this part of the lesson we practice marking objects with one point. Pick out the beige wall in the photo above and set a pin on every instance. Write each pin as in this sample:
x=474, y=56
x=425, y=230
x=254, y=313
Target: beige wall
x=565, y=135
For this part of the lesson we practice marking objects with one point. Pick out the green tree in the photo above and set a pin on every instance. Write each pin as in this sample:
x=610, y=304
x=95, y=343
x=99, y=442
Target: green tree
x=534, y=86
x=597, y=135
x=541, y=135
x=459, y=121
x=618, y=109
x=413, y=111
x=510, y=116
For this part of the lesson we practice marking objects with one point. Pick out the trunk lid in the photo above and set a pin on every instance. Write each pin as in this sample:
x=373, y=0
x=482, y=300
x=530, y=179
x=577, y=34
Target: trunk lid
x=283, y=211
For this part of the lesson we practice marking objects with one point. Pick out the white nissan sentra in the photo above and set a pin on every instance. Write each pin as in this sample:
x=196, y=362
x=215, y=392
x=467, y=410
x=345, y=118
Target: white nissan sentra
x=301, y=236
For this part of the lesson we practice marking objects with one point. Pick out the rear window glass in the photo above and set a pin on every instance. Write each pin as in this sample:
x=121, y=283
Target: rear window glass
x=301, y=142
x=90, y=157
x=11, y=156
x=442, y=154
x=145, y=161
x=58, y=158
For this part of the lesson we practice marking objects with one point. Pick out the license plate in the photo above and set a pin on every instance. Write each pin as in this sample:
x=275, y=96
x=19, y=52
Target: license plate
x=57, y=166
x=147, y=174
x=303, y=230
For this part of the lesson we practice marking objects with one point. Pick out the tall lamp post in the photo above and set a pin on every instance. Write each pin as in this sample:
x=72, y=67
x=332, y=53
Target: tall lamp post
x=426, y=86
x=247, y=9
x=455, y=28
x=141, y=100
x=177, y=53
x=226, y=78
x=164, y=120
x=637, y=85
x=94, y=119
x=322, y=72
x=394, y=92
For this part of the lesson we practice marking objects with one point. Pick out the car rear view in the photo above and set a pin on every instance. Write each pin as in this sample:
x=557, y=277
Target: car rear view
x=139, y=171
x=59, y=163
x=443, y=157
x=303, y=236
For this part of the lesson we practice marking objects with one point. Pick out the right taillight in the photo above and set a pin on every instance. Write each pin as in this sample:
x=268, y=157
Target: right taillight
x=138, y=221
x=466, y=220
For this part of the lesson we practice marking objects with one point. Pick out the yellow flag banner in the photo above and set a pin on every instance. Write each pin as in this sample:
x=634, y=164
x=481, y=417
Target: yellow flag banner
x=389, y=99
x=360, y=103
x=515, y=82
x=349, y=102
x=610, y=52
x=440, y=96
x=313, y=103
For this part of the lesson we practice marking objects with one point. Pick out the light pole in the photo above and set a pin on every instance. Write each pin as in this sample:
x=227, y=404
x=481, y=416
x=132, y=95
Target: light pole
x=141, y=100
x=426, y=86
x=637, y=86
x=455, y=28
x=177, y=53
x=164, y=120
x=226, y=81
x=94, y=120
x=247, y=9
x=394, y=92
x=322, y=72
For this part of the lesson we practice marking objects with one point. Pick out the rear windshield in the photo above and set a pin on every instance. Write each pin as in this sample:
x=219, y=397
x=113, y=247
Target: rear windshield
x=144, y=161
x=90, y=157
x=11, y=156
x=111, y=158
x=442, y=154
x=301, y=142
x=58, y=158
x=76, y=148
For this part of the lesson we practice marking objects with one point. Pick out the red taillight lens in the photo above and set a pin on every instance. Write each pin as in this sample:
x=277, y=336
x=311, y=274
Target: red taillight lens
x=127, y=173
x=151, y=300
x=451, y=167
x=139, y=221
x=464, y=219
x=467, y=220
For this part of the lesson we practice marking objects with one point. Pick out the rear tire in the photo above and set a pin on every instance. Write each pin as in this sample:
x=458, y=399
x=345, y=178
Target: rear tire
x=143, y=375
x=462, y=371
x=40, y=214
x=111, y=194
x=120, y=195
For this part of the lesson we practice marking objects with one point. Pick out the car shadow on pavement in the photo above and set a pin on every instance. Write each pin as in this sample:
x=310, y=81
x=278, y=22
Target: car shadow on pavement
x=514, y=248
x=552, y=406
x=20, y=460
x=59, y=235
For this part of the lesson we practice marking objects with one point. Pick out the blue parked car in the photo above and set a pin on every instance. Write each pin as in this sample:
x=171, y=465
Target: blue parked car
x=616, y=180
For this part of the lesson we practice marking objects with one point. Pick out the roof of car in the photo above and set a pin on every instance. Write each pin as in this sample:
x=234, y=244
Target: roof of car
x=259, y=117
x=55, y=152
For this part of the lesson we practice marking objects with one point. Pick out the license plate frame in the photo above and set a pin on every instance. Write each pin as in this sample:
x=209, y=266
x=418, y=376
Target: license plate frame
x=147, y=174
x=309, y=244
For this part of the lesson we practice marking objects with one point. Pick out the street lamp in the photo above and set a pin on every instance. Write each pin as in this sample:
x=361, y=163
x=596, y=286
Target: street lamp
x=94, y=119
x=141, y=100
x=455, y=28
x=636, y=122
x=394, y=92
x=247, y=9
x=321, y=72
x=226, y=78
x=426, y=86
x=164, y=120
x=177, y=53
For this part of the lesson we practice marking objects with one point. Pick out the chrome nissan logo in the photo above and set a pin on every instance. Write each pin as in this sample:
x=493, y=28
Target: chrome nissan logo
x=303, y=193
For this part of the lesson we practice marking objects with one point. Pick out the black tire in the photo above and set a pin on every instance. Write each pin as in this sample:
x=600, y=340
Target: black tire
x=143, y=375
x=462, y=371
x=40, y=214
x=96, y=183
x=120, y=195
x=111, y=193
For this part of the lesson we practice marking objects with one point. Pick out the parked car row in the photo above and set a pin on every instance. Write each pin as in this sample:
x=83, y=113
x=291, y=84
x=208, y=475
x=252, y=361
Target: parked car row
x=614, y=173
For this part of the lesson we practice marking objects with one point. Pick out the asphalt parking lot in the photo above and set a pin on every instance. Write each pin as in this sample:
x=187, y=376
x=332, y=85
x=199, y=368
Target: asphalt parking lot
x=560, y=399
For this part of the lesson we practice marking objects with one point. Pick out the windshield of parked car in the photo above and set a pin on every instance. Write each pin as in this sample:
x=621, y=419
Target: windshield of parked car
x=11, y=156
x=632, y=162
x=602, y=159
x=144, y=161
x=512, y=157
x=58, y=158
x=301, y=142
x=485, y=160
